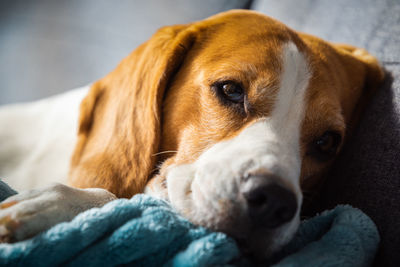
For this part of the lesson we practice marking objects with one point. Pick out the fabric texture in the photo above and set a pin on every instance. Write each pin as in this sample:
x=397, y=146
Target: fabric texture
x=145, y=231
x=367, y=173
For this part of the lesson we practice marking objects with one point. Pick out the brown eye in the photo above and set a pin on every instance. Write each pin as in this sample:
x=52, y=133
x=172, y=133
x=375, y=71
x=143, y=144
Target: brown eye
x=325, y=147
x=231, y=91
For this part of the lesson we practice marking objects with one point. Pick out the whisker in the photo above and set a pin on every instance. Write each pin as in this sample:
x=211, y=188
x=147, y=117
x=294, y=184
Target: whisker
x=164, y=152
x=154, y=170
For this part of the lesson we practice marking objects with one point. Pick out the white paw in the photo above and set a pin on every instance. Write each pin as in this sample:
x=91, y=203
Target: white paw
x=29, y=213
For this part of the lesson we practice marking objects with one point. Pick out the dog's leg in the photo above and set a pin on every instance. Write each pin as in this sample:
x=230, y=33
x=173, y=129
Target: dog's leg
x=29, y=213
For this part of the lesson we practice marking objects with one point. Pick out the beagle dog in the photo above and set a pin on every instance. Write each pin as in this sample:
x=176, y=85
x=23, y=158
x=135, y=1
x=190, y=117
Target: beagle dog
x=229, y=119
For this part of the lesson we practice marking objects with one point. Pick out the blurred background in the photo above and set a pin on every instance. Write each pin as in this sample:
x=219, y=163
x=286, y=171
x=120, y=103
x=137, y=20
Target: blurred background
x=49, y=46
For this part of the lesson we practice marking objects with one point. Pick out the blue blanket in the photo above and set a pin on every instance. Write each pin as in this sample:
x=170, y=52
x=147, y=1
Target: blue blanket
x=144, y=231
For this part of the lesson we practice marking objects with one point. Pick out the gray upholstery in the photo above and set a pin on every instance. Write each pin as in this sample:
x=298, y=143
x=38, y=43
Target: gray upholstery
x=49, y=46
x=370, y=24
x=367, y=174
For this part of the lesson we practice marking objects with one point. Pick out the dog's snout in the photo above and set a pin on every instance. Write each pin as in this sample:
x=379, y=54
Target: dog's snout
x=269, y=204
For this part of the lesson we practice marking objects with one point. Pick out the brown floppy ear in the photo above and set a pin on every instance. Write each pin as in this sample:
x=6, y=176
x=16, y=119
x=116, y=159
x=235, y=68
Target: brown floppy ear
x=364, y=74
x=374, y=73
x=119, y=124
x=355, y=73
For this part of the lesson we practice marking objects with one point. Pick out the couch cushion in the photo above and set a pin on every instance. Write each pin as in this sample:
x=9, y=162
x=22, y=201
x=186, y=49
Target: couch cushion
x=371, y=24
x=367, y=173
x=50, y=46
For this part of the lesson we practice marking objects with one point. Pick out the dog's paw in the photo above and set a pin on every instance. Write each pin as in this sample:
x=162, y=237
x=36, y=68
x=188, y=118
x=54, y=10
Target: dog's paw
x=29, y=213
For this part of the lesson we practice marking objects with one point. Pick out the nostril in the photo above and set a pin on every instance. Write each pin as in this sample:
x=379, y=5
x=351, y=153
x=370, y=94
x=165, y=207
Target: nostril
x=256, y=198
x=270, y=205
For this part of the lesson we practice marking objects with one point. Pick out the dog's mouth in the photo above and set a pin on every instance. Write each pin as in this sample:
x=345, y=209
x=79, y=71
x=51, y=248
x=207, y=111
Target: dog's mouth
x=260, y=212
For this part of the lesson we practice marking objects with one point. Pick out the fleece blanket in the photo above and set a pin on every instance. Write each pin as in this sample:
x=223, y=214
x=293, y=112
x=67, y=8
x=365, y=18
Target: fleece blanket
x=145, y=231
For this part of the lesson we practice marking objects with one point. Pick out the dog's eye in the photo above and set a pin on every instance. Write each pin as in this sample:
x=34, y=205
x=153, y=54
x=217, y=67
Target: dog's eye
x=233, y=92
x=230, y=90
x=326, y=145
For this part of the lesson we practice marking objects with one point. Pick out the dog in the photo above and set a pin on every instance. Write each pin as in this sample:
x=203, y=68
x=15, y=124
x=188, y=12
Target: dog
x=229, y=119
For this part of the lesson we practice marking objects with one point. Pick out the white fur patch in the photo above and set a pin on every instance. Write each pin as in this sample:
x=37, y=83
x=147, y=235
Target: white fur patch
x=37, y=140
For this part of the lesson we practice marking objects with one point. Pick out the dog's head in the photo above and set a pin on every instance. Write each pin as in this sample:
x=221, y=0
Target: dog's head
x=231, y=117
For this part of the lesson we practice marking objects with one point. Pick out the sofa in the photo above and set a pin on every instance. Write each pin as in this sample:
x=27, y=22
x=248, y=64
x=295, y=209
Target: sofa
x=47, y=47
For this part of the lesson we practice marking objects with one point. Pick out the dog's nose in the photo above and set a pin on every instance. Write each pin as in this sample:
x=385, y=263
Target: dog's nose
x=269, y=204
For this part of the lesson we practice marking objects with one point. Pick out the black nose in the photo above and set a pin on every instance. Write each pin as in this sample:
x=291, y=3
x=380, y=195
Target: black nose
x=269, y=204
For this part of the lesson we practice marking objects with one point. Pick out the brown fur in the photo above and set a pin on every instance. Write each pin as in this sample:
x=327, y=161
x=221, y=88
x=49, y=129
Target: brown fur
x=158, y=99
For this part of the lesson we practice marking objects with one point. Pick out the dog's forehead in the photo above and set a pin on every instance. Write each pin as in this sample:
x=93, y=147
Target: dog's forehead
x=247, y=45
x=244, y=23
x=250, y=36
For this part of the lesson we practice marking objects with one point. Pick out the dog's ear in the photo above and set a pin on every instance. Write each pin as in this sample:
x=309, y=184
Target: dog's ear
x=119, y=124
x=353, y=72
x=364, y=75
x=373, y=72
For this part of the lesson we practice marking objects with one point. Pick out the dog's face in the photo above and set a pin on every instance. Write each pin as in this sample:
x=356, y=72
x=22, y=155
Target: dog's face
x=252, y=113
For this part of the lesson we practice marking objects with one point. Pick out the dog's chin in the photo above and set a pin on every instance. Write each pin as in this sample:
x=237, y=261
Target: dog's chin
x=257, y=244
x=262, y=244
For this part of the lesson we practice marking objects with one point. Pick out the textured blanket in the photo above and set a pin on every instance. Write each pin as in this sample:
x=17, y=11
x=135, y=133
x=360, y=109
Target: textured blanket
x=144, y=231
